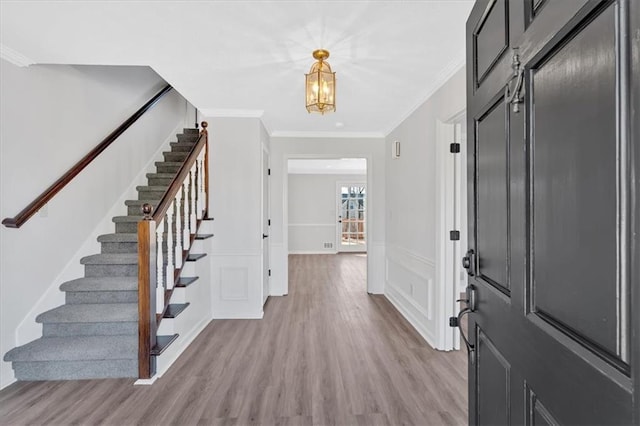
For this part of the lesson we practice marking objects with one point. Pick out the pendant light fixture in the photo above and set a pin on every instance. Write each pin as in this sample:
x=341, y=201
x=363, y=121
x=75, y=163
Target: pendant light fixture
x=320, y=87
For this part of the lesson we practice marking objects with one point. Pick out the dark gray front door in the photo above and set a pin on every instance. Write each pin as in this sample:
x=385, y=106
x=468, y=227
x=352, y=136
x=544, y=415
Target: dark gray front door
x=553, y=119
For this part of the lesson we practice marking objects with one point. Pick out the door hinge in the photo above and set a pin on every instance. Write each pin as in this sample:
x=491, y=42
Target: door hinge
x=454, y=235
x=454, y=148
x=269, y=272
x=269, y=172
x=268, y=222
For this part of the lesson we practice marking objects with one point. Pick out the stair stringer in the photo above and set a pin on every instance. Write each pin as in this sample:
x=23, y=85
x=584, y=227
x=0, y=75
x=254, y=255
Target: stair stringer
x=29, y=329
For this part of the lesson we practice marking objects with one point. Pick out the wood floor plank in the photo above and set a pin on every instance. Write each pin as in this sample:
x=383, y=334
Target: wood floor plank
x=326, y=354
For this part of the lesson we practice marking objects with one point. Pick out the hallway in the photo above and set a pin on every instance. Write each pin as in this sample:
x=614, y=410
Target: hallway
x=328, y=353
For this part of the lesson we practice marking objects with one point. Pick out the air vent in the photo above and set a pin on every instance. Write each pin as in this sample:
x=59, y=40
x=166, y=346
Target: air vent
x=328, y=245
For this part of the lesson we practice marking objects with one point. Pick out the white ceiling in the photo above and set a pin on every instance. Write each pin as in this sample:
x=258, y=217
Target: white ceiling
x=248, y=58
x=337, y=166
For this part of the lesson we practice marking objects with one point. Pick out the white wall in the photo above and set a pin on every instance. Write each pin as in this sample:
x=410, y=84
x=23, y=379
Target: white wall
x=235, y=165
x=312, y=211
x=412, y=211
x=284, y=148
x=50, y=117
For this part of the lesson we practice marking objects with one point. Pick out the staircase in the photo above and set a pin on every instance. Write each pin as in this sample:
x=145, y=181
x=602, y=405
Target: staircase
x=95, y=333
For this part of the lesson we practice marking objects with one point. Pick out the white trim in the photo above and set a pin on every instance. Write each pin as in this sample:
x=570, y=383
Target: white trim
x=437, y=82
x=233, y=113
x=238, y=315
x=305, y=134
x=328, y=251
x=371, y=288
x=312, y=224
x=146, y=382
x=14, y=57
x=411, y=311
x=183, y=343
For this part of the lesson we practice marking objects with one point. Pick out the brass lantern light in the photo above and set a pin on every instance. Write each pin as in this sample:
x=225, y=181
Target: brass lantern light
x=320, y=88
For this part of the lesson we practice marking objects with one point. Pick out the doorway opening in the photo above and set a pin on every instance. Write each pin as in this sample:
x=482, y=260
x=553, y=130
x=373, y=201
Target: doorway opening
x=326, y=207
x=452, y=153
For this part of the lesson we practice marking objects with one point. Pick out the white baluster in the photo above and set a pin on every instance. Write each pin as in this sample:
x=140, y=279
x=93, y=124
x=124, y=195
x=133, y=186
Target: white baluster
x=193, y=224
x=170, y=252
x=159, y=269
x=186, y=233
x=179, y=233
x=200, y=185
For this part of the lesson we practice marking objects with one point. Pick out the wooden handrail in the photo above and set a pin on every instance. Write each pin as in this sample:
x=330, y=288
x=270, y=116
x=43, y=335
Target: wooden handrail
x=148, y=249
x=42, y=199
x=162, y=207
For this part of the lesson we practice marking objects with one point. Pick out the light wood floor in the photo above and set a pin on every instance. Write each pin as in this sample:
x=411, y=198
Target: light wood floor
x=328, y=353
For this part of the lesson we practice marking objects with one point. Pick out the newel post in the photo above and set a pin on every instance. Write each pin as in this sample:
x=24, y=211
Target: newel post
x=205, y=132
x=147, y=327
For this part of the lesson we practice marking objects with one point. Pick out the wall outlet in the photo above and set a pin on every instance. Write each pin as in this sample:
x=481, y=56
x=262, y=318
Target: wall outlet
x=328, y=245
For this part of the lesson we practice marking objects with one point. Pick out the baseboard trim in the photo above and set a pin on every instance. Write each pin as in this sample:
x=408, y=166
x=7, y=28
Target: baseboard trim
x=183, y=344
x=239, y=315
x=313, y=252
x=400, y=302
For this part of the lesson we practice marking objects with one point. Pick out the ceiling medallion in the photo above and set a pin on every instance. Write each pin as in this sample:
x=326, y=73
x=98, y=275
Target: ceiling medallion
x=320, y=87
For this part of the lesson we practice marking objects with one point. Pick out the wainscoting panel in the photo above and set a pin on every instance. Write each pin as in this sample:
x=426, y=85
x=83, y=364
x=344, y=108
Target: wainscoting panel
x=237, y=285
x=234, y=283
x=410, y=286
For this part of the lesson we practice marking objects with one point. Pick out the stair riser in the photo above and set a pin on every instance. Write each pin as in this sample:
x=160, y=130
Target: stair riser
x=77, y=297
x=182, y=148
x=151, y=195
x=175, y=157
x=75, y=370
x=187, y=138
x=156, y=181
x=190, y=131
x=90, y=329
x=111, y=270
x=167, y=168
x=115, y=248
x=127, y=227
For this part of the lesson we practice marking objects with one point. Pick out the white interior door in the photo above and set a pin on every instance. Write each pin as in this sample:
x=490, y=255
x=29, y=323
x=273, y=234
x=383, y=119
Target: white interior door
x=352, y=217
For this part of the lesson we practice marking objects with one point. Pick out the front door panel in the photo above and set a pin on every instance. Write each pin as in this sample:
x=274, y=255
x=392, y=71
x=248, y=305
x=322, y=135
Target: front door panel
x=573, y=184
x=551, y=188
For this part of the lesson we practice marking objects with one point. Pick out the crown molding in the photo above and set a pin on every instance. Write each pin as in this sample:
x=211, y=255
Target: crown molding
x=449, y=71
x=15, y=57
x=354, y=135
x=232, y=113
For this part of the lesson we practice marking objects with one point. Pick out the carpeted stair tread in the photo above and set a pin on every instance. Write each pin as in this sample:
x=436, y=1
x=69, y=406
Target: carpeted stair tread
x=161, y=175
x=169, y=163
x=110, y=259
x=140, y=202
x=151, y=188
x=190, y=131
x=118, y=238
x=130, y=218
x=91, y=313
x=76, y=348
x=101, y=284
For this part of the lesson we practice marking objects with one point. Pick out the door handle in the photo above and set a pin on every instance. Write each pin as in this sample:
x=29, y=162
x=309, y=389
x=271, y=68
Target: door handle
x=456, y=321
x=265, y=236
x=469, y=262
x=513, y=96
